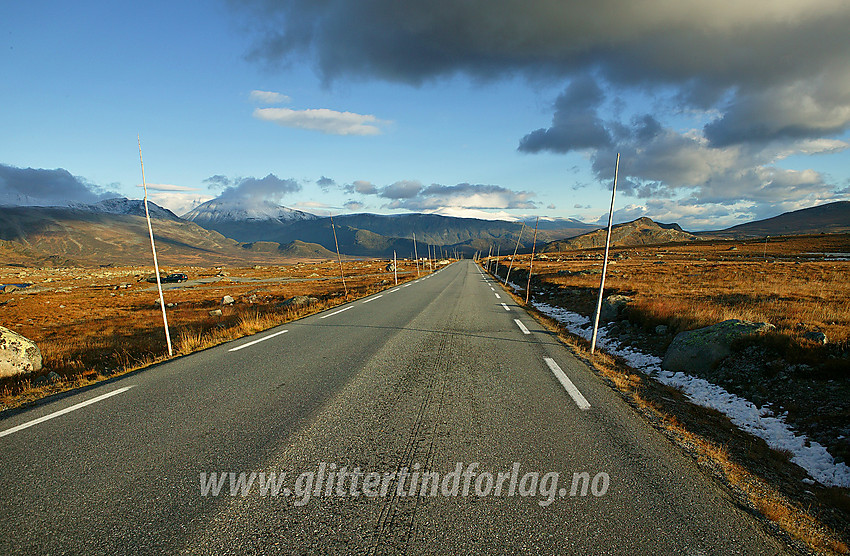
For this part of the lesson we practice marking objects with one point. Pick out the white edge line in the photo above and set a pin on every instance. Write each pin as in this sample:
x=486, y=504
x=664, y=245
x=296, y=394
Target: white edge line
x=263, y=339
x=568, y=385
x=373, y=298
x=521, y=326
x=337, y=312
x=64, y=411
x=395, y=290
x=404, y=286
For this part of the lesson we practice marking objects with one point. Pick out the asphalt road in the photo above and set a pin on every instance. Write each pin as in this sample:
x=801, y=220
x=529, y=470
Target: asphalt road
x=435, y=377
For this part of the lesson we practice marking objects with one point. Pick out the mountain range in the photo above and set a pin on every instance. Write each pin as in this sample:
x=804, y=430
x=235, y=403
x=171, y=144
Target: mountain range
x=379, y=235
x=115, y=231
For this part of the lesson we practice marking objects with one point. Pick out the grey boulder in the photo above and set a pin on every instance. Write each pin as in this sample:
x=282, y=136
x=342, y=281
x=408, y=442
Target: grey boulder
x=696, y=351
x=18, y=355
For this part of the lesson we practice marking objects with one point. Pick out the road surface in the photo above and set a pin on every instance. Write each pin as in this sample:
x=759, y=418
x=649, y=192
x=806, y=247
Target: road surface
x=443, y=381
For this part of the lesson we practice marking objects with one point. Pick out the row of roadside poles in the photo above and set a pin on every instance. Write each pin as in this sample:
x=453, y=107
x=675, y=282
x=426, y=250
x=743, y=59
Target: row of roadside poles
x=431, y=257
x=492, y=264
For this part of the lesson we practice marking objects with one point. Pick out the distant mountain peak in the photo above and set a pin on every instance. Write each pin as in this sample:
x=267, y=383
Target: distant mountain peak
x=827, y=218
x=122, y=205
x=218, y=210
x=643, y=231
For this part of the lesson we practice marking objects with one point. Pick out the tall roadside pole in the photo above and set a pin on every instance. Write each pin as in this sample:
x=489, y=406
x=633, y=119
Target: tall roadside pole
x=605, y=259
x=395, y=268
x=416, y=254
x=531, y=262
x=510, y=266
x=498, y=254
x=339, y=257
x=153, y=250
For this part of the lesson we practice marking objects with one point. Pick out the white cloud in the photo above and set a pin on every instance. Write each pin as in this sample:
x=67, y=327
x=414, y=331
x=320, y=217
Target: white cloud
x=178, y=202
x=324, y=120
x=462, y=196
x=361, y=186
x=168, y=187
x=269, y=97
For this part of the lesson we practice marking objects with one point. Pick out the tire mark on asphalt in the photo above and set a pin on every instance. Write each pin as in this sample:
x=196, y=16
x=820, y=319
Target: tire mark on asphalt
x=396, y=521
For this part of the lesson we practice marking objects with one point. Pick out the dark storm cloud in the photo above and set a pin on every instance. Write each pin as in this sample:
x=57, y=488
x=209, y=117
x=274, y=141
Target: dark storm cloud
x=772, y=77
x=775, y=70
x=704, y=43
x=36, y=186
x=575, y=125
x=248, y=191
x=796, y=111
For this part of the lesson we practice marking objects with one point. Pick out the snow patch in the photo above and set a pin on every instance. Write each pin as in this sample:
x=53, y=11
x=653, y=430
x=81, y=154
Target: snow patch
x=760, y=422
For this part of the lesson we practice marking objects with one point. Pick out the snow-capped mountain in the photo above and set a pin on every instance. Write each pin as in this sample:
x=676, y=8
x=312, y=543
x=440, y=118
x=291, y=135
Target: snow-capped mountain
x=133, y=207
x=219, y=211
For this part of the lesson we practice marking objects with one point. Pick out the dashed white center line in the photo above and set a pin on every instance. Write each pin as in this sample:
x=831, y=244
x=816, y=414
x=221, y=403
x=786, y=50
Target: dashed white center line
x=63, y=411
x=498, y=296
x=521, y=326
x=568, y=385
x=263, y=339
x=506, y=307
x=373, y=298
x=492, y=288
x=337, y=312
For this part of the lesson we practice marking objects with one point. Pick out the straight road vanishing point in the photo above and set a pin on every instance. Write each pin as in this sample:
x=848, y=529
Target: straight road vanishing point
x=438, y=418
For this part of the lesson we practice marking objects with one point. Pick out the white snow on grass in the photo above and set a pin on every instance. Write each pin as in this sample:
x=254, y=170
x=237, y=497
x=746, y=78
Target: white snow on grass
x=760, y=422
x=515, y=287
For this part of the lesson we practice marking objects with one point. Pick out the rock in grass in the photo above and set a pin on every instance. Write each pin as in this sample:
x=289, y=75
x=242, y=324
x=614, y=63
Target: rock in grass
x=298, y=301
x=612, y=307
x=216, y=313
x=18, y=355
x=699, y=350
x=816, y=337
x=227, y=300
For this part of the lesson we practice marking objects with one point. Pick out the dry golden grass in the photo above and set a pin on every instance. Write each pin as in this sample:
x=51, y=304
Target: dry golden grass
x=687, y=286
x=89, y=328
x=709, y=437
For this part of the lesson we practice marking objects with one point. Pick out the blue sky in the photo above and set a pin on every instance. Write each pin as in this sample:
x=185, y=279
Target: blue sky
x=722, y=113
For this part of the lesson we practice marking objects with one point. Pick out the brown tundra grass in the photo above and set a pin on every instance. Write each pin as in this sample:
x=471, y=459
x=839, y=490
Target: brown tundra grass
x=89, y=328
x=688, y=286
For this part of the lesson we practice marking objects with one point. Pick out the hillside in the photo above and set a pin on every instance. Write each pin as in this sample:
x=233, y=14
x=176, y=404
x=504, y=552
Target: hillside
x=296, y=249
x=642, y=231
x=62, y=236
x=831, y=218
